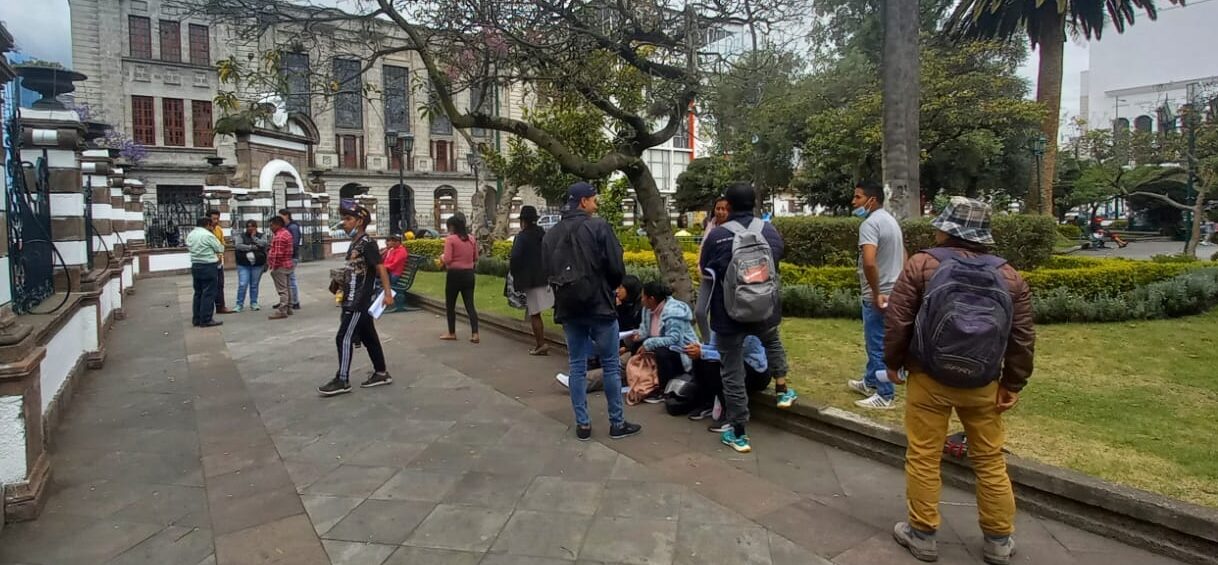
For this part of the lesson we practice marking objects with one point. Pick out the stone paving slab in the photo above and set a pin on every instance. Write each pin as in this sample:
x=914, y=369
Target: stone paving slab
x=210, y=446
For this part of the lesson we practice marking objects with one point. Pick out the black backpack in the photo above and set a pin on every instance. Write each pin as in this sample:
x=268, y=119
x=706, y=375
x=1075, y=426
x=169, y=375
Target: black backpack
x=572, y=272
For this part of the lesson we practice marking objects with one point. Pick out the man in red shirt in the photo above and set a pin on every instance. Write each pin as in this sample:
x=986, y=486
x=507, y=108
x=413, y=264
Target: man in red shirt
x=394, y=257
x=279, y=261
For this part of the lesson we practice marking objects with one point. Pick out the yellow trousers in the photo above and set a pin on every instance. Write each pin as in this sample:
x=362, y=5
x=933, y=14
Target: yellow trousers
x=928, y=407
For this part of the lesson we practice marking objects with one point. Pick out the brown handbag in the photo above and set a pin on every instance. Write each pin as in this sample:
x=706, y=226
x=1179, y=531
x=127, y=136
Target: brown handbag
x=642, y=377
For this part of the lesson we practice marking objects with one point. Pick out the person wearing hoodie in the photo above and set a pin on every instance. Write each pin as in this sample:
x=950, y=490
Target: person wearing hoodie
x=702, y=306
x=666, y=329
x=730, y=334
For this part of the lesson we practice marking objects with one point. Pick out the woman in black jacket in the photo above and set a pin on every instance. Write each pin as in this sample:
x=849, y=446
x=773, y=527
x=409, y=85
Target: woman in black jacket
x=528, y=276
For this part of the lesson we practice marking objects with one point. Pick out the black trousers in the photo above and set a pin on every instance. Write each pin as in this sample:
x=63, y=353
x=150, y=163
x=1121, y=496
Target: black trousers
x=708, y=375
x=668, y=365
x=203, y=306
x=220, y=286
x=357, y=327
x=460, y=281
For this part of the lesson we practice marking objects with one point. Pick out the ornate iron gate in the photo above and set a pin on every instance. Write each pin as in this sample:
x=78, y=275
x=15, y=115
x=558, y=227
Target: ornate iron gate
x=166, y=224
x=312, y=233
x=30, y=250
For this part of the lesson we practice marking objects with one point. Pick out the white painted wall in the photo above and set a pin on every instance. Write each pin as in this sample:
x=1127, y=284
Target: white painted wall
x=73, y=340
x=169, y=262
x=12, y=441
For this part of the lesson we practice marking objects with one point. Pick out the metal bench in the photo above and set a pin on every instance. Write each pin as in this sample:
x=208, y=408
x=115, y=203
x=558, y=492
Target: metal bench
x=403, y=284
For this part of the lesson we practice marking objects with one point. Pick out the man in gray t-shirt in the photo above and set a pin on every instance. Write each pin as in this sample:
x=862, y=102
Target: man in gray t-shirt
x=881, y=258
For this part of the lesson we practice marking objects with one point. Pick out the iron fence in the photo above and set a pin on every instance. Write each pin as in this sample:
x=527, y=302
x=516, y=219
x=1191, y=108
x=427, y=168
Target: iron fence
x=30, y=250
x=166, y=224
x=312, y=233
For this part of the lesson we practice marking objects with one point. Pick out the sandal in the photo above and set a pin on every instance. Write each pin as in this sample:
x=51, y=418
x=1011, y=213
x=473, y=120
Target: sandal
x=448, y=337
x=474, y=339
x=540, y=351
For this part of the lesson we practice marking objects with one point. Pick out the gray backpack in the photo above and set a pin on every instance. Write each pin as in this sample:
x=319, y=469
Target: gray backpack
x=961, y=331
x=750, y=285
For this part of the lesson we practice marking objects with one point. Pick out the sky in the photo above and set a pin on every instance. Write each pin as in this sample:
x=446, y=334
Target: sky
x=42, y=30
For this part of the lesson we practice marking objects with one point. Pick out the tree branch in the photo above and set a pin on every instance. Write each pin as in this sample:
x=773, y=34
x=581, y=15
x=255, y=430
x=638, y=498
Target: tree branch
x=1162, y=198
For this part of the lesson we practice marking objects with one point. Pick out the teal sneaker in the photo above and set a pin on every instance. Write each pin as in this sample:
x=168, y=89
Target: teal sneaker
x=786, y=399
x=238, y=309
x=740, y=444
x=255, y=307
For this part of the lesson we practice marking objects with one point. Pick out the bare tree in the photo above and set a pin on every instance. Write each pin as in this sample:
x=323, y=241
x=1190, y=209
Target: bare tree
x=901, y=91
x=641, y=63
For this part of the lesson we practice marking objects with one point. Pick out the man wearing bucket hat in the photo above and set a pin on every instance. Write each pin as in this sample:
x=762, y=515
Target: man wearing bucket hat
x=959, y=320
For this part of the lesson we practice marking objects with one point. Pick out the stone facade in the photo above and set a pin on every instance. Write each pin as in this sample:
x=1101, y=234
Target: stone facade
x=118, y=71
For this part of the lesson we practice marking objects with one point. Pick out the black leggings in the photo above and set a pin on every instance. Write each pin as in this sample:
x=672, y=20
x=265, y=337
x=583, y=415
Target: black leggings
x=460, y=281
x=358, y=327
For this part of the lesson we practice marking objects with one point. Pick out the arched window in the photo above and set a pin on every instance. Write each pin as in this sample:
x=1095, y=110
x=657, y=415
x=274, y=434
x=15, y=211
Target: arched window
x=1121, y=125
x=401, y=209
x=1143, y=123
x=445, y=207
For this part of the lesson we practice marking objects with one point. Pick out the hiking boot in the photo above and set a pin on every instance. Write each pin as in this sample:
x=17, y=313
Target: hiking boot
x=998, y=550
x=335, y=387
x=738, y=443
x=787, y=398
x=255, y=307
x=278, y=315
x=377, y=379
x=584, y=433
x=701, y=414
x=624, y=430
x=238, y=309
x=921, y=546
x=719, y=427
x=860, y=386
x=876, y=402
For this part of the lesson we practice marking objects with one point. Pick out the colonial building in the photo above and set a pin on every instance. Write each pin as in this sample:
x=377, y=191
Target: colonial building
x=152, y=72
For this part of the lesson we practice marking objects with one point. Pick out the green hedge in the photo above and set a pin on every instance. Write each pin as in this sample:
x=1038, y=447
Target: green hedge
x=1108, y=277
x=1190, y=293
x=1025, y=241
x=1069, y=231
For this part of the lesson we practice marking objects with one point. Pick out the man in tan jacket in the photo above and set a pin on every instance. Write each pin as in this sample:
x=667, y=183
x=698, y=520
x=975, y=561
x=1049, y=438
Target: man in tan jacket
x=979, y=397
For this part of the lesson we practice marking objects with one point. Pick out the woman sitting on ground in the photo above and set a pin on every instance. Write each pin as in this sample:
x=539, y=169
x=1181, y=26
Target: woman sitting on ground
x=668, y=326
x=629, y=314
x=708, y=375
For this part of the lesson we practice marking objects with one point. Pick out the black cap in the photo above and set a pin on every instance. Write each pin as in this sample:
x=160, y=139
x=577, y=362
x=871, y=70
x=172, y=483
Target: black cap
x=579, y=191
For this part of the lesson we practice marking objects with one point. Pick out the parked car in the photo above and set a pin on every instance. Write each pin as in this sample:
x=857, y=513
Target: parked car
x=548, y=221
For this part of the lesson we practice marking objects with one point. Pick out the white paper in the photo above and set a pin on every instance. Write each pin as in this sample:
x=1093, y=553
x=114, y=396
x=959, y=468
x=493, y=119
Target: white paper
x=622, y=336
x=378, y=305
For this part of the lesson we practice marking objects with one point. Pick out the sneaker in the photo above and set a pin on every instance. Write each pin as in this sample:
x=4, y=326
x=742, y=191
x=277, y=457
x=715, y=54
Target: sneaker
x=860, y=386
x=921, y=546
x=654, y=398
x=296, y=306
x=624, y=430
x=563, y=379
x=255, y=307
x=238, y=309
x=738, y=443
x=701, y=414
x=377, y=379
x=583, y=433
x=876, y=402
x=719, y=427
x=998, y=551
x=786, y=399
x=335, y=387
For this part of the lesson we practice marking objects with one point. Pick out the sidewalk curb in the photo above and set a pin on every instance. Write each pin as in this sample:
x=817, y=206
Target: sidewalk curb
x=1170, y=527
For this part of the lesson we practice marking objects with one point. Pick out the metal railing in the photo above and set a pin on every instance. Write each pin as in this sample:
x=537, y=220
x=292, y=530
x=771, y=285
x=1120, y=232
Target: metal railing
x=30, y=248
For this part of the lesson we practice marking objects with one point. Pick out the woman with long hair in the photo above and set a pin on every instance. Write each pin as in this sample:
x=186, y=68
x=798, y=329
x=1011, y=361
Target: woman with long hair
x=718, y=216
x=459, y=258
x=528, y=276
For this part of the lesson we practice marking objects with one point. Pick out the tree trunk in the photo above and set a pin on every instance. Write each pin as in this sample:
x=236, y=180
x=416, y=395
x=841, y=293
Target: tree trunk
x=503, y=212
x=659, y=231
x=902, y=93
x=1194, y=239
x=1052, y=46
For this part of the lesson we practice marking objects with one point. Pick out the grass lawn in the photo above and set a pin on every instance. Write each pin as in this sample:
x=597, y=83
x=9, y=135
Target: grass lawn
x=1133, y=403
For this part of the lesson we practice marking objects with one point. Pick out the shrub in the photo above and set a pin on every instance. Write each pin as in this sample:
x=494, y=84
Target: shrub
x=1108, y=277
x=1174, y=258
x=1025, y=241
x=430, y=247
x=829, y=279
x=1190, y=293
x=1069, y=231
x=645, y=274
x=802, y=301
x=492, y=266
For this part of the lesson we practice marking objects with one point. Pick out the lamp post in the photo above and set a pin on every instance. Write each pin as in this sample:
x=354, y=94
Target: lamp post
x=475, y=164
x=405, y=146
x=1037, y=146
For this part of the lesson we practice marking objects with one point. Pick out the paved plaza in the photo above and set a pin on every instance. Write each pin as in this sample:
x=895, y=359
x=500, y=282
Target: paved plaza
x=211, y=446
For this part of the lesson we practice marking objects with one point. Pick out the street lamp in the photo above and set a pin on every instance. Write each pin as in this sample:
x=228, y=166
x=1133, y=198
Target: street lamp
x=475, y=164
x=1037, y=146
x=405, y=145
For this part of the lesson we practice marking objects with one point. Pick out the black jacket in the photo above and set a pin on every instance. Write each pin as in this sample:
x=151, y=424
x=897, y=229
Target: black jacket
x=596, y=238
x=527, y=266
x=716, y=254
x=258, y=244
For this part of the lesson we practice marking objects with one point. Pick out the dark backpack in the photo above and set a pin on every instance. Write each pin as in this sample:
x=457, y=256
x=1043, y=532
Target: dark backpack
x=571, y=273
x=961, y=332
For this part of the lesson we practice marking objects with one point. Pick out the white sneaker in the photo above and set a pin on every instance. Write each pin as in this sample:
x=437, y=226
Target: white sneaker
x=563, y=379
x=860, y=386
x=877, y=402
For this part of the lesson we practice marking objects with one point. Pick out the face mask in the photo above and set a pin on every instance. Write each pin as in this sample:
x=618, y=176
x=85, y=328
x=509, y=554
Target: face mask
x=352, y=232
x=860, y=212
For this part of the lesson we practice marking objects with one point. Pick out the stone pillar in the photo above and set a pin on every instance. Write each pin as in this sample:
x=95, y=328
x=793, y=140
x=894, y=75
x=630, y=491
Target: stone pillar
x=95, y=168
x=118, y=207
x=24, y=466
x=56, y=135
x=369, y=203
x=133, y=192
x=219, y=198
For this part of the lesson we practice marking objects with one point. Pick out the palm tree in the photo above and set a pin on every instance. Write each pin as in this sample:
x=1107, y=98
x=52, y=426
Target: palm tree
x=902, y=93
x=1046, y=22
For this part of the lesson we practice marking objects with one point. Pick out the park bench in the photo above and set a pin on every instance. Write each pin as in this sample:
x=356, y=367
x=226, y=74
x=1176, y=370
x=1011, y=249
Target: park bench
x=403, y=284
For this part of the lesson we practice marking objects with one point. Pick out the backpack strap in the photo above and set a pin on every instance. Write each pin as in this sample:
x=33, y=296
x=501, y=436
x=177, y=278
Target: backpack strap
x=756, y=226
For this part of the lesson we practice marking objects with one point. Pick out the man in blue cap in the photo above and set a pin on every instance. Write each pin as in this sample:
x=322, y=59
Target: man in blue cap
x=583, y=263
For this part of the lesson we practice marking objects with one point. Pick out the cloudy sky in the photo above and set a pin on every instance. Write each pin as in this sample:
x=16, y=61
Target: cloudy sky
x=43, y=31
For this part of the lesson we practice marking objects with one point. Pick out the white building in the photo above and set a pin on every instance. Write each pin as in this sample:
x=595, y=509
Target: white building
x=1133, y=74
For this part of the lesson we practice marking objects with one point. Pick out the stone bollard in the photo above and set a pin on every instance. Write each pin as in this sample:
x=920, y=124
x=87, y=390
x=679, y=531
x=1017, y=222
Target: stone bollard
x=95, y=168
x=54, y=137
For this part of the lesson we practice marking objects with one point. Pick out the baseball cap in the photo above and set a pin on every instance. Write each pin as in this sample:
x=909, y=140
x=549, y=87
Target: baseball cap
x=579, y=191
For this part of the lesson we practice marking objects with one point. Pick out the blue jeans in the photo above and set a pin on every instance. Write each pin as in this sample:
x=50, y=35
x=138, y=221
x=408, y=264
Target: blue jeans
x=873, y=337
x=248, y=278
x=292, y=283
x=594, y=337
